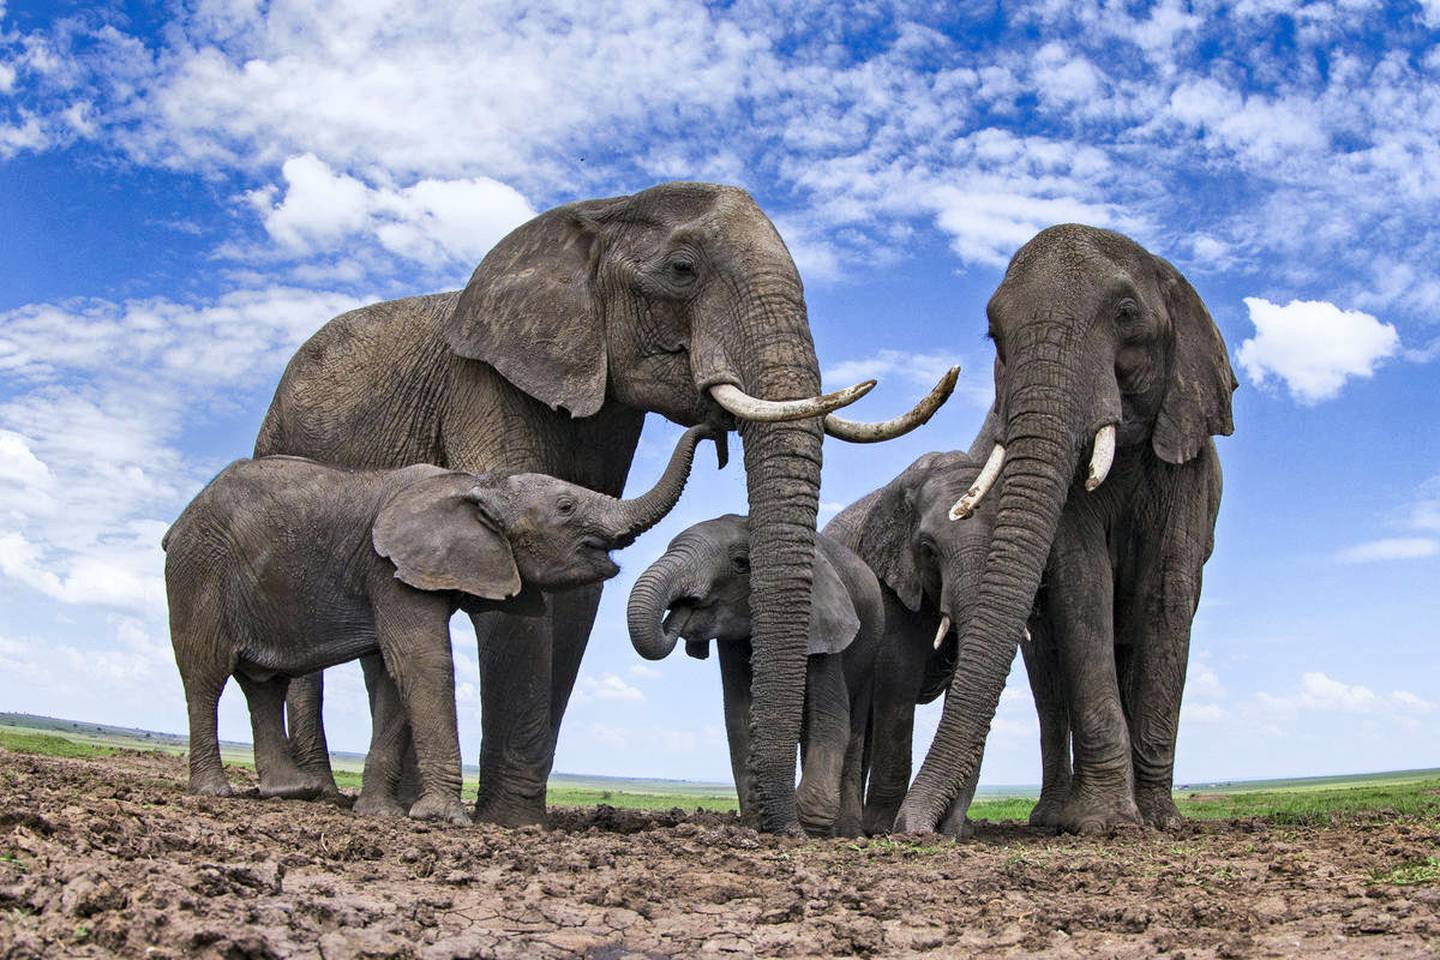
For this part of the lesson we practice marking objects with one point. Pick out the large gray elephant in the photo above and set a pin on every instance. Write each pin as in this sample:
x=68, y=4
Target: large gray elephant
x=283, y=566
x=681, y=300
x=703, y=581
x=928, y=569
x=1106, y=359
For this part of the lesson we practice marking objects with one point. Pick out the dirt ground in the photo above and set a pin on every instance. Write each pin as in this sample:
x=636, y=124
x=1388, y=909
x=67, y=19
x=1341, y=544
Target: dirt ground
x=108, y=857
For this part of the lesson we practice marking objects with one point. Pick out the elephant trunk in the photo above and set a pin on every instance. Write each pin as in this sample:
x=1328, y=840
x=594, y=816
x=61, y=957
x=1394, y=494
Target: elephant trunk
x=1039, y=465
x=782, y=464
x=655, y=589
x=631, y=518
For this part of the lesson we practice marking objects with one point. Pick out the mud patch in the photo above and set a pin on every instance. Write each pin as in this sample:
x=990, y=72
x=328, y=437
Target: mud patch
x=109, y=857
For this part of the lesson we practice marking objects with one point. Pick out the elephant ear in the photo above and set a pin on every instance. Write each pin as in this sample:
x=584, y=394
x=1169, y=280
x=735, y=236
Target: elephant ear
x=1197, y=397
x=530, y=310
x=440, y=535
x=884, y=541
x=833, y=619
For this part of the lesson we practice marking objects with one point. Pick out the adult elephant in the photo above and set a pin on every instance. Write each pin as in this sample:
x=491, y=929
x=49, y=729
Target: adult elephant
x=1103, y=353
x=682, y=300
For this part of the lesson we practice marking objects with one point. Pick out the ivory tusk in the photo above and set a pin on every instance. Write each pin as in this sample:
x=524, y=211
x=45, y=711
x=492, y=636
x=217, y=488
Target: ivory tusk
x=944, y=629
x=989, y=473
x=745, y=407
x=1101, y=457
x=860, y=431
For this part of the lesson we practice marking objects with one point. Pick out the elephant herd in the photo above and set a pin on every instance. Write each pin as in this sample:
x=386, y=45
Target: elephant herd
x=467, y=451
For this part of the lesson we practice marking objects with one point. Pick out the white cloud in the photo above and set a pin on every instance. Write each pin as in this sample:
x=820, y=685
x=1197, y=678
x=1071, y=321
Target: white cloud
x=18, y=463
x=1204, y=682
x=1321, y=692
x=607, y=686
x=1390, y=548
x=432, y=221
x=1202, y=713
x=1313, y=346
x=643, y=671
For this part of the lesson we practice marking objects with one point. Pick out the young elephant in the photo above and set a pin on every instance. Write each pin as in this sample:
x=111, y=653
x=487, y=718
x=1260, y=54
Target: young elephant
x=703, y=580
x=283, y=566
x=927, y=566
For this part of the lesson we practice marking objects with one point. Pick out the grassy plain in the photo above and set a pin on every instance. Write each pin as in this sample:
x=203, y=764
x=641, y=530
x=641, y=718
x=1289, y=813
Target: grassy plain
x=1307, y=801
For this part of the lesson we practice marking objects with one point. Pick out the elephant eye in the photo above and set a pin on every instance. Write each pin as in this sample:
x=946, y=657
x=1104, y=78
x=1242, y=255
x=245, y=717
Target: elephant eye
x=742, y=564
x=682, y=269
x=565, y=507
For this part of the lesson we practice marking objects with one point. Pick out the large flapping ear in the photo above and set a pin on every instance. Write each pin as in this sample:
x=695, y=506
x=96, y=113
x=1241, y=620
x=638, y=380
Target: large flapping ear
x=531, y=313
x=1197, y=397
x=884, y=542
x=833, y=618
x=440, y=536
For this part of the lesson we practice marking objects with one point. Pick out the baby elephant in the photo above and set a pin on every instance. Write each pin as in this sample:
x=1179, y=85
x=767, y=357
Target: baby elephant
x=283, y=566
x=703, y=580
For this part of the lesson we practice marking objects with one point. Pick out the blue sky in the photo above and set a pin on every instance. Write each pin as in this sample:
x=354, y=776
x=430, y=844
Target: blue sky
x=187, y=191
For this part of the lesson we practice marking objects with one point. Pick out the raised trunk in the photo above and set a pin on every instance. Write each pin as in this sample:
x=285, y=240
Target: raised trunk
x=1039, y=467
x=630, y=518
x=655, y=590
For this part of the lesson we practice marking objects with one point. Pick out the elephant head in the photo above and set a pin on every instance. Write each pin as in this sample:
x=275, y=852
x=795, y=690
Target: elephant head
x=703, y=581
x=683, y=300
x=930, y=563
x=486, y=536
x=1103, y=351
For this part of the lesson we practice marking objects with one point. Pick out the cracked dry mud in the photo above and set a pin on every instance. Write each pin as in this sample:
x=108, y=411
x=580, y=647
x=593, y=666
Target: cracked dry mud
x=109, y=857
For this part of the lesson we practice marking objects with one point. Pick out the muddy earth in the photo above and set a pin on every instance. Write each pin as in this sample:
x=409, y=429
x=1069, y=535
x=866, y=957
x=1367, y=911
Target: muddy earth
x=109, y=857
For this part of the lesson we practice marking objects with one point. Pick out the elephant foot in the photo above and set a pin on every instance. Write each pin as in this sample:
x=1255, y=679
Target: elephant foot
x=299, y=786
x=1157, y=807
x=1047, y=812
x=216, y=786
x=879, y=819
x=960, y=827
x=510, y=814
x=445, y=808
x=1091, y=815
x=378, y=804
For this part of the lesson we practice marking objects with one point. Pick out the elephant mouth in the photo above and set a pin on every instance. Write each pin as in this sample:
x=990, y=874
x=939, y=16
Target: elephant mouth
x=598, y=549
x=682, y=620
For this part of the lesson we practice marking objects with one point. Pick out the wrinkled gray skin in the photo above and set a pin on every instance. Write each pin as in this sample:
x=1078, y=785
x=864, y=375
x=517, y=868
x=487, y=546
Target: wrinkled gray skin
x=927, y=567
x=703, y=580
x=1090, y=329
x=282, y=566
x=574, y=326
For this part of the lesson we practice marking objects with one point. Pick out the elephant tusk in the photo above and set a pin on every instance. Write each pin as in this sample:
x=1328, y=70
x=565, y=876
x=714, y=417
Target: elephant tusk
x=1101, y=457
x=859, y=431
x=989, y=473
x=742, y=405
x=944, y=629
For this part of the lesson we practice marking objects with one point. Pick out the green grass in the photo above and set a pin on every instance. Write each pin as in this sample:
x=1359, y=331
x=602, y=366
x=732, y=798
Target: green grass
x=1425, y=871
x=1310, y=801
x=50, y=745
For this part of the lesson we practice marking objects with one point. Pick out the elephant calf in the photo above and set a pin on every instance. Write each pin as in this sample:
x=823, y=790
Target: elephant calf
x=283, y=566
x=703, y=579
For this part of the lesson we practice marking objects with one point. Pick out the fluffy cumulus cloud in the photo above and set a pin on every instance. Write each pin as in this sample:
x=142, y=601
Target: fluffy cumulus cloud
x=432, y=221
x=1313, y=346
x=1320, y=692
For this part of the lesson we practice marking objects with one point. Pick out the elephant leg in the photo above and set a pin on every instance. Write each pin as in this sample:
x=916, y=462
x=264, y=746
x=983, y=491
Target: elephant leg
x=852, y=778
x=735, y=677
x=516, y=733
x=1157, y=621
x=415, y=642
x=1080, y=607
x=280, y=776
x=827, y=740
x=573, y=616
x=198, y=641
x=391, y=746
x=304, y=714
x=956, y=822
x=202, y=698
x=899, y=674
x=1042, y=666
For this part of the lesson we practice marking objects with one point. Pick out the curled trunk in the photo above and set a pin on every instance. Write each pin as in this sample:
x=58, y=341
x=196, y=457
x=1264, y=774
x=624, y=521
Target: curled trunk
x=633, y=517
x=654, y=591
